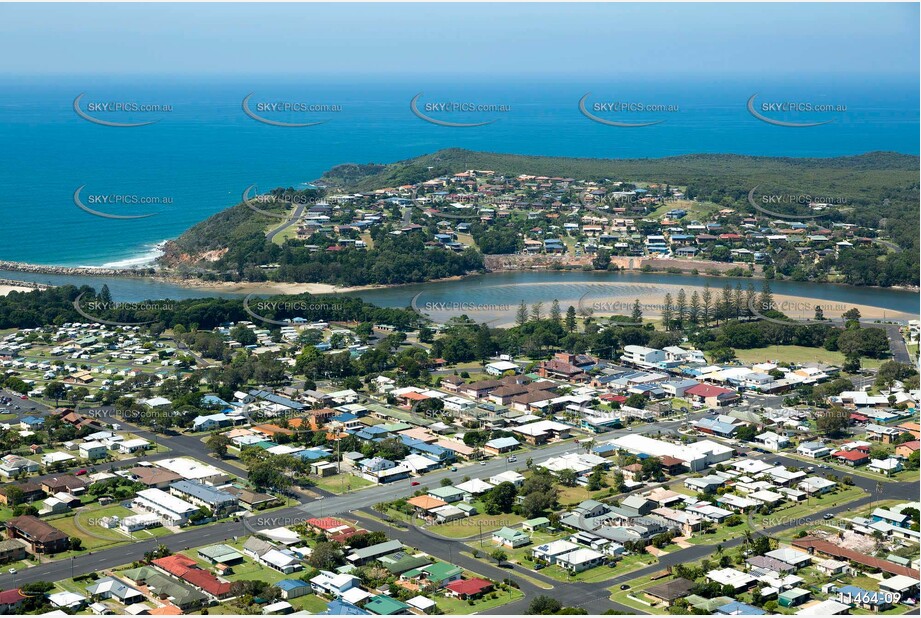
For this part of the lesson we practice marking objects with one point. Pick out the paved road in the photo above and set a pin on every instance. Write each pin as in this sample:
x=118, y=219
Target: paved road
x=592, y=597
x=270, y=236
x=180, y=444
x=896, y=343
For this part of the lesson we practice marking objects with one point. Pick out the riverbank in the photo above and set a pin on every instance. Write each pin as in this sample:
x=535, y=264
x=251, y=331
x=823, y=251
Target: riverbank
x=10, y=285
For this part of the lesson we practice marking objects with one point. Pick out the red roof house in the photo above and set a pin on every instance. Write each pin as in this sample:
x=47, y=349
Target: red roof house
x=467, y=588
x=10, y=600
x=852, y=458
x=711, y=395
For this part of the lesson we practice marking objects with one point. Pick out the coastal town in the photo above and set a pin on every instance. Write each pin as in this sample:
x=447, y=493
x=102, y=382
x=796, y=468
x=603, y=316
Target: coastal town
x=531, y=221
x=347, y=467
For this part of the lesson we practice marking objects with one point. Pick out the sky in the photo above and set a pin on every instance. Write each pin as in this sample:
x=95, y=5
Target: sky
x=654, y=40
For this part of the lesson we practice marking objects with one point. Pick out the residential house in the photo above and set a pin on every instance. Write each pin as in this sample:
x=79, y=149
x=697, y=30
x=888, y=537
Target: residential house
x=41, y=537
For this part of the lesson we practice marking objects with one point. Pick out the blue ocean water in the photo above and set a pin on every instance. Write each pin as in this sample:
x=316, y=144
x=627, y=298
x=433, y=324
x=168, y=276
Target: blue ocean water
x=205, y=151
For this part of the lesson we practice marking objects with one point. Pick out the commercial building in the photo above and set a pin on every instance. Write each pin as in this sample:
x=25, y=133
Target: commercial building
x=174, y=511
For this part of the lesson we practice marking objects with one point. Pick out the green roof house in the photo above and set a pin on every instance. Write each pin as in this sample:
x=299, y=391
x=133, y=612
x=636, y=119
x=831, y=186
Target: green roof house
x=538, y=523
x=385, y=606
x=510, y=538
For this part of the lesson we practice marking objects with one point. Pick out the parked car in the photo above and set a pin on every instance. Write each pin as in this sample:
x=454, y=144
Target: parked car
x=80, y=472
x=828, y=516
x=453, y=468
x=512, y=459
x=414, y=484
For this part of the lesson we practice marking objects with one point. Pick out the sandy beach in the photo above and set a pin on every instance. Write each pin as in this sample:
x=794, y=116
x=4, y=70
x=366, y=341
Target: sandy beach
x=6, y=289
x=619, y=301
x=263, y=287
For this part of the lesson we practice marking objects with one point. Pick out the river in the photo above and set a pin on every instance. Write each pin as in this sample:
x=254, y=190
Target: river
x=495, y=297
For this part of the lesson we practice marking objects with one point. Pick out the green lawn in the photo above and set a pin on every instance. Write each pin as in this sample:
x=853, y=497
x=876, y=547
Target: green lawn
x=718, y=534
x=459, y=607
x=341, y=483
x=799, y=354
x=310, y=602
x=472, y=526
x=808, y=513
x=626, y=597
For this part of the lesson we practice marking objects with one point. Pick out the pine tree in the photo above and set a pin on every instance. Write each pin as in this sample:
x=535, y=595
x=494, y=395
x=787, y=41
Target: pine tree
x=637, y=315
x=681, y=308
x=766, y=300
x=522, y=317
x=726, y=302
x=667, y=312
x=571, y=319
x=751, y=297
x=706, y=302
x=105, y=297
x=555, y=314
x=738, y=301
x=536, y=310
x=694, y=309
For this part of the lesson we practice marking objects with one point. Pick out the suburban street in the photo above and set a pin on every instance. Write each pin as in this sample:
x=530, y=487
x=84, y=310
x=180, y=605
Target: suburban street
x=592, y=596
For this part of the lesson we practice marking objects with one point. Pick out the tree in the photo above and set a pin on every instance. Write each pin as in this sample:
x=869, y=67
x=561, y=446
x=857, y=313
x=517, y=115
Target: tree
x=499, y=556
x=218, y=444
x=833, y=421
x=766, y=299
x=602, y=260
x=76, y=543
x=55, y=390
x=706, y=305
x=667, y=311
x=819, y=314
x=14, y=495
x=636, y=316
x=635, y=400
x=544, y=605
x=325, y=556
x=568, y=477
x=595, y=480
x=893, y=371
x=500, y=499
x=570, y=319
x=521, y=317
x=681, y=308
x=537, y=310
x=243, y=335
x=851, y=315
x=694, y=309
x=555, y=314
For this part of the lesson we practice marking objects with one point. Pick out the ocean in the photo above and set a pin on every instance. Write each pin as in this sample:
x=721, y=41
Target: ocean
x=203, y=151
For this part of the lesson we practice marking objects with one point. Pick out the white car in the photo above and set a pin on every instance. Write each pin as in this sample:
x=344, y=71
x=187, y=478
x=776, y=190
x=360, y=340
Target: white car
x=12, y=571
